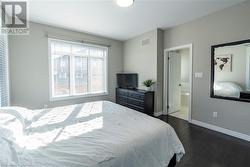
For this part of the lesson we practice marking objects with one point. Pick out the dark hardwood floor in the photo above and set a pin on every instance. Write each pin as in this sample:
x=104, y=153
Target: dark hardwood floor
x=206, y=148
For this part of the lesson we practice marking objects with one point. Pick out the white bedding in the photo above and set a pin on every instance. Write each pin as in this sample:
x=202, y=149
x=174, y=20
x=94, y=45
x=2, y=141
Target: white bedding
x=227, y=89
x=96, y=134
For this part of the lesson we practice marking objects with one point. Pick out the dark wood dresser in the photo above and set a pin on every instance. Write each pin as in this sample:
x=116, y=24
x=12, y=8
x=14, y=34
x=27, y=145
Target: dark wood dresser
x=139, y=100
x=245, y=94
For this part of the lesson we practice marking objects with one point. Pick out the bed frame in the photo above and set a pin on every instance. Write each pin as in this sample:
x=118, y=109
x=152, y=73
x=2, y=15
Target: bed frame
x=172, y=162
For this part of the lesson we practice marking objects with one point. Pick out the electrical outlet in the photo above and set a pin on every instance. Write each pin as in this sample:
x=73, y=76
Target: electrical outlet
x=45, y=106
x=215, y=114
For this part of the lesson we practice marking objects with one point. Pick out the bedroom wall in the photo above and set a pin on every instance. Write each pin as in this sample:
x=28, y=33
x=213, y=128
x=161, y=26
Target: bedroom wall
x=231, y=24
x=141, y=58
x=248, y=68
x=29, y=66
x=144, y=55
x=160, y=71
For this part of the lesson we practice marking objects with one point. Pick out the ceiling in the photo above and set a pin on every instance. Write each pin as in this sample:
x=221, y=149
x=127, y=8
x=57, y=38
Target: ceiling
x=105, y=18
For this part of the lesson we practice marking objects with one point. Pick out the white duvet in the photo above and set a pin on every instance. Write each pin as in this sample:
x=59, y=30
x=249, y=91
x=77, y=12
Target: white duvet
x=96, y=134
x=227, y=89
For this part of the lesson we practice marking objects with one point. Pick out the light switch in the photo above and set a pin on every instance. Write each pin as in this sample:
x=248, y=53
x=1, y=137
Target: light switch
x=215, y=114
x=198, y=75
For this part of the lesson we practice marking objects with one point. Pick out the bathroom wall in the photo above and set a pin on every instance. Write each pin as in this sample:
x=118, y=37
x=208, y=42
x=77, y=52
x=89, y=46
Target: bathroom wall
x=185, y=70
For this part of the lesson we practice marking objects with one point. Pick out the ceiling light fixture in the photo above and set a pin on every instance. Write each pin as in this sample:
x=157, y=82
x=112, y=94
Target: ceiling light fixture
x=124, y=3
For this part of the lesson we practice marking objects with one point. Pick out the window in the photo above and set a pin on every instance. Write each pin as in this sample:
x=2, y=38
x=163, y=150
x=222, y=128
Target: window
x=77, y=69
x=4, y=79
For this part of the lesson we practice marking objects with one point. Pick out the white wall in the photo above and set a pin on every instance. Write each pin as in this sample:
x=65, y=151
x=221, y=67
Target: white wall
x=141, y=59
x=228, y=25
x=29, y=66
x=147, y=61
x=239, y=59
x=160, y=71
x=248, y=69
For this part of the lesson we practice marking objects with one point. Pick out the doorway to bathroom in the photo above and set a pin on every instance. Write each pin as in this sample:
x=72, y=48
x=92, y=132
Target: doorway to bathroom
x=178, y=81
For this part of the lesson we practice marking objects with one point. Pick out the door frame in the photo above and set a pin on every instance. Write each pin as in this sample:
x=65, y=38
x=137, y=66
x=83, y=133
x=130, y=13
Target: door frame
x=166, y=78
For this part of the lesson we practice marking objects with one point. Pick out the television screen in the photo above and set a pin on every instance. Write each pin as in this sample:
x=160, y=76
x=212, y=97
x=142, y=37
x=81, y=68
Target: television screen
x=127, y=80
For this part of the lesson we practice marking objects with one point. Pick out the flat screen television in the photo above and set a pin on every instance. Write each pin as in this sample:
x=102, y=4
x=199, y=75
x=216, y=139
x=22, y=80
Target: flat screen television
x=127, y=80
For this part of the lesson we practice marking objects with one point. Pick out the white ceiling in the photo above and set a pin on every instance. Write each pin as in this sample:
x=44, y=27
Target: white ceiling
x=105, y=18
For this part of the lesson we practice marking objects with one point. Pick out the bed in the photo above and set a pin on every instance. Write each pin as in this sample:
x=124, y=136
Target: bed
x=227, y=89
x=95, y=134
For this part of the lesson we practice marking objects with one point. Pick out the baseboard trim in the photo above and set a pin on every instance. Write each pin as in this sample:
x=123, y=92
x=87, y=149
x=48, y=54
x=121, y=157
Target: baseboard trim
x=222, y=130
x=164, y=113
x=157, y=114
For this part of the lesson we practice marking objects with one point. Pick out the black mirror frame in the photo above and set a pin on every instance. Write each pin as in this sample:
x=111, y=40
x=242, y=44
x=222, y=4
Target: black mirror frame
x=212, y=95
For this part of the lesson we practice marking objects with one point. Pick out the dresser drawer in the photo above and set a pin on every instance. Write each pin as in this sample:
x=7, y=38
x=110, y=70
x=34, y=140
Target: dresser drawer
x=137, y=108
x=121, y=98
x=122, y=92
x=121, y=103
x=135, y=102
x=139, y=100
x=136, y=95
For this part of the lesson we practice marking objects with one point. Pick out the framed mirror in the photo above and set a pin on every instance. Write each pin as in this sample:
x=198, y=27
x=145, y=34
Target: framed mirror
x=230, y=71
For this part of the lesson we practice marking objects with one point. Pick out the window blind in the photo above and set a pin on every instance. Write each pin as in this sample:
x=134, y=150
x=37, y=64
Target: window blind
x=4, y=79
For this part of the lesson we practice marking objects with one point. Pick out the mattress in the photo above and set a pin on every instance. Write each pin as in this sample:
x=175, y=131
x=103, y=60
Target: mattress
x=95, y=134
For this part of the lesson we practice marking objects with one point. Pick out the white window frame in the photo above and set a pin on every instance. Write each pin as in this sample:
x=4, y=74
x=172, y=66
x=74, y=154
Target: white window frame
x=74, y=96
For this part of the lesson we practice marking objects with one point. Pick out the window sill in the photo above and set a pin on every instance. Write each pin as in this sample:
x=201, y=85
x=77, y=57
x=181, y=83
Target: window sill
x=78, y=96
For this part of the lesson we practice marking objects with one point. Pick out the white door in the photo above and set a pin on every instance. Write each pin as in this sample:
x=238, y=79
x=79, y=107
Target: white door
x=174, y=82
